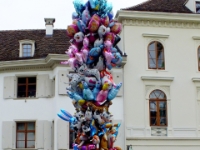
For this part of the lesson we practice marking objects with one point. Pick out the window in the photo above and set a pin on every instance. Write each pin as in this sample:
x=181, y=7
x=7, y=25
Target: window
x=26, y=87
x=156, y=55
x=198, y=58
x=27, y=50
x=25, y=135
x=197, y=7
x=158, y=108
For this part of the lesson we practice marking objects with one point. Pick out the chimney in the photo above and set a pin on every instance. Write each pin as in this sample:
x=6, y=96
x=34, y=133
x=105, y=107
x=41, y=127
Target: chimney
x=49, y=26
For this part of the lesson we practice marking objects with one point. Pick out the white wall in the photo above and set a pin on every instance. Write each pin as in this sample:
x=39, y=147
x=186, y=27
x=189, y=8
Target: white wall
x=47, y=108
x=180, y=63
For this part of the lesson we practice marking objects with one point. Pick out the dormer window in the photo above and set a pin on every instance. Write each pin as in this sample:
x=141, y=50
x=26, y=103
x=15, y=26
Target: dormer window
x=26, y=48
x=198, y=7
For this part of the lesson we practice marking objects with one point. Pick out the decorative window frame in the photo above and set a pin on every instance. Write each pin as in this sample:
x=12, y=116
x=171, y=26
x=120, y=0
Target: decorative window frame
x=161, y=83
x=26, y=132
x=196, y=47
x=196, y=82
x=21, y=42
x=151, y=38
x=195, y=7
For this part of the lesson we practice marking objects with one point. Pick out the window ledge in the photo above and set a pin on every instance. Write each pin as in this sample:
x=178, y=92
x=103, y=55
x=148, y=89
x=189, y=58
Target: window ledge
x=196, y=79
x=24, y=149
x=157, y=78
x=162, y=138
x=157, y=70
x=196, y=37
x=155, y=35
x=23, y=98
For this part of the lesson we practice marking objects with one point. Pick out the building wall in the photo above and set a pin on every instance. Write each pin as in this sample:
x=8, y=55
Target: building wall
x=44, y=112
x=181, y=66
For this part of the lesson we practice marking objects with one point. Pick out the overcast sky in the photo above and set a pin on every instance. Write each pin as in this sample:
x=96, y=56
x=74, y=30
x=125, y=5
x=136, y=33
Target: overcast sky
x=30, y=14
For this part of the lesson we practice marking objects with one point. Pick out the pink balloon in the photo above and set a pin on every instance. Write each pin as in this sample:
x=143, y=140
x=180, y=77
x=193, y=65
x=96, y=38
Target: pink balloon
x=109, y=56
x=73, y=49
x=69, y=53
x=101, y=97
x=72, y=62
x=85, y=42
x=64, y=62
x=108, y=45
x=79, y=57
x=85, y=52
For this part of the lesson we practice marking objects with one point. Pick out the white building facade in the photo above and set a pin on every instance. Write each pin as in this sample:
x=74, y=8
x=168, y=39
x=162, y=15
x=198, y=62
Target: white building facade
x=161, y=76
x=34, y=90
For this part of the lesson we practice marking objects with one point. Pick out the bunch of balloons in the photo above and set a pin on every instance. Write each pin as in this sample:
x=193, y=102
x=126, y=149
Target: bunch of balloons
x=93, y=51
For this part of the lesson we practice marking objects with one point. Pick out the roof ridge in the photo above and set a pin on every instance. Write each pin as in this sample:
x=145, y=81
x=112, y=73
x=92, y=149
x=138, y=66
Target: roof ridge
x=161, y=6
x=136, y=5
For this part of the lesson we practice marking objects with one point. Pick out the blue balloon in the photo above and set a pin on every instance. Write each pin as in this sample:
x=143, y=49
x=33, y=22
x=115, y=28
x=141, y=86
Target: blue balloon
x=87, y=93
x=113, y=50
x=93, y=129
x=86, y=16
x=66, y=116
x=110, y=15
x=90, y=60
x=117, y=130
x=63, y=117
x=96, y=90
x=118, y=58
x=94, y=4
x=75, y=15
x=81, y=26
x=75, y=147
x=66, y=113
x=113, y=92
x=96, y=51
x=74, y=96
x=79, y=6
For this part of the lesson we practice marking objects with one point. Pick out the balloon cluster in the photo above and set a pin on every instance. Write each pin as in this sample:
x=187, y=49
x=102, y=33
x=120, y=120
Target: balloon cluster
x=94, y=38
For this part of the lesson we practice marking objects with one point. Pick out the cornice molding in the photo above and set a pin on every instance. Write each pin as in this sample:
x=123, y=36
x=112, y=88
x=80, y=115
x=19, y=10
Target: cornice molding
x=167, y=24
x=159, y=19
x=157, y=78
x=44, y=64
x=48, y=63
x=155, y=35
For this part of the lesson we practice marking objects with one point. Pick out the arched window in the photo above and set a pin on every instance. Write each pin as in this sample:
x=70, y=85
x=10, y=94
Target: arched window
x=199, y=58
x=156, y=55
x=158, y=108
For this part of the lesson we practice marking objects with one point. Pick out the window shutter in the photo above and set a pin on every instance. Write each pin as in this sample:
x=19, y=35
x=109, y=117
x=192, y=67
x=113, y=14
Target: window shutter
x=49, y=88
x=10, y=87
x=118, y=77
x=47, y=135
x=63, y=134
x=44, y=86
x=63, y=82
x=8, y=135
x=39, y=143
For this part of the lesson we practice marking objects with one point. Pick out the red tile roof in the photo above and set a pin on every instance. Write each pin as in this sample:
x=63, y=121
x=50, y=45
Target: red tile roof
x=9, y=43
x=170, y=6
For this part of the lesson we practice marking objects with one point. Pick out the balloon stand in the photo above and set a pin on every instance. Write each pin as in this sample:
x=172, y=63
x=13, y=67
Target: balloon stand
x=92, y=54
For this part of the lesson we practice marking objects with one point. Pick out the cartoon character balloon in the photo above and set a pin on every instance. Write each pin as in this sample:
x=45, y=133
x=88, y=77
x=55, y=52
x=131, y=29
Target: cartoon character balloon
x=94, y=36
